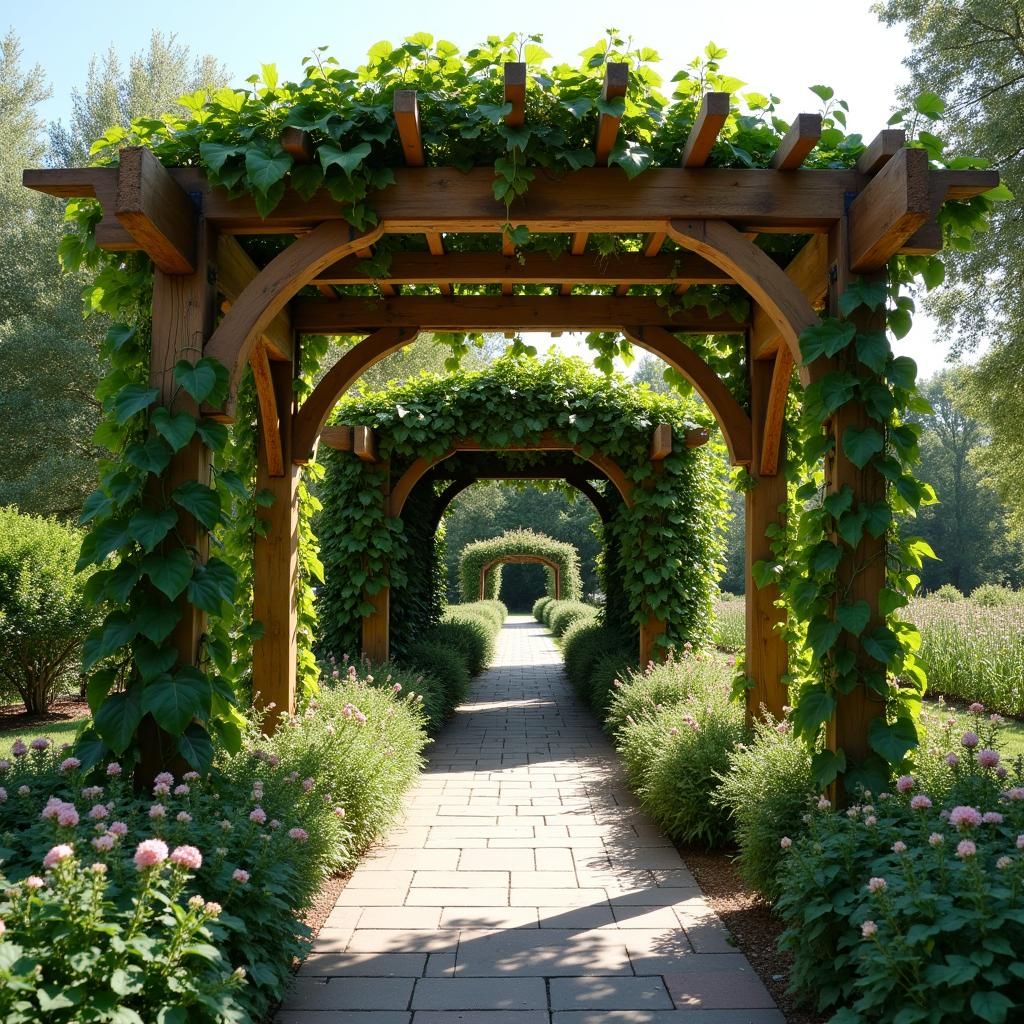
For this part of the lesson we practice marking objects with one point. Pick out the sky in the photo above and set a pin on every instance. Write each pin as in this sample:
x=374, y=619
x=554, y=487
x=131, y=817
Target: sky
x=784, y=47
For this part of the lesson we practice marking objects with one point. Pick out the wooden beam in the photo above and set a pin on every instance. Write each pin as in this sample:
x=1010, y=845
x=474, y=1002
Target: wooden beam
x=808, y=270
x=270, y=418
x=499, y=313
x=714, y=110
x=893, y=205
x=653, y=243
x=696, y=437
x=616, y=79
x=338, y=437
x=298, y=144
x=882, y=148
x=156, y=212
x=577, y=247
x=235, y=270
x=435, y=243
x=448, y=200
x=515, y=93
x=775, y=411
x=661, y=442
x=535, y=268
x=801, y=138
x=364, y=444
x=407, y=119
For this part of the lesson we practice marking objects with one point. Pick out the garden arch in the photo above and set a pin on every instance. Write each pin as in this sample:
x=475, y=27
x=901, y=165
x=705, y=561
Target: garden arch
x=853, y=220
x=524, y=547
x=556, y=572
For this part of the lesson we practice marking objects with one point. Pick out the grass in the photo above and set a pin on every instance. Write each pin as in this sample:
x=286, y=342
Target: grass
x=1011, y=732
x=730, y=632
x=57, y=731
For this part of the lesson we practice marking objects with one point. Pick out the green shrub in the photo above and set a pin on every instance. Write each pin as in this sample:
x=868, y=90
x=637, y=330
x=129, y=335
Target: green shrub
x=539, y=605
x=470, y=635
x=606, y=675
x=767, y=791
x=992, y=595
x=583, y=644
x=947, y=592
x=563, y=614
x=730, y=628
x=908, y=908
x=44, y=617
x=448, y=667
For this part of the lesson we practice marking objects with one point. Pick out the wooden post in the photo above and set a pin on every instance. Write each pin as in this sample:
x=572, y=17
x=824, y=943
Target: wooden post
x=377, y=625
x=861, y=573
x=183, y=317
x=276, y=563
x=766, y=655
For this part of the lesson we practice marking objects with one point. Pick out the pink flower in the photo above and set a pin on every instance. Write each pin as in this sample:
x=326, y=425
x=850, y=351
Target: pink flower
x=976, y=708
x=187, y=857
x=965, y=848
x=952, y=760
x=868, y=929
x=274, y=824
x=164, y=779
x=92, y=792
x=397, y=688
x=258, y=815
x=161, y=789
x=24, y=791
x=97, y=812
x=213, y=909
x=920, y=802
x=5, y=766
x=158, y=811
x=905, y=783
x=69, y=764
x=3, y=927
x=118, y=828
x=3, y=795
x=181, y=790
x=18, y=748
x=877, y=885
x=103, y=843
x=150, y=853
x=824, y=803
x=98, y=869
x=992, y=818
x=1017, y=793
x=34, y=882
x=870, y=821
x=987, y=758
x=184, y=817
x=307, y=785
x=936, y=839
x=57, y=853
x=899, y=846
x=240, y=876
x=785, y=842
x=40, y=743
x=196, y=902
x=1003, y=863
x=190, y=777
x=339, y=812
x=300, y=835
x=67, y=816
x=1001, y=772
x=114, y=769
x=969, y=740
x=965, y=817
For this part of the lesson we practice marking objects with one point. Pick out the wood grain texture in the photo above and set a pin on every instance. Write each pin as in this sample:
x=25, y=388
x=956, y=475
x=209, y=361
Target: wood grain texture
x=407, y=119
x=881, y=149
x=235, y=271
x=616, y=80
x=661, y=442
x=797, y=143
x=364, y=444
x=270, y=416
x=714, y=110
x=298, y=144
x=515, y=93
x=775, y=412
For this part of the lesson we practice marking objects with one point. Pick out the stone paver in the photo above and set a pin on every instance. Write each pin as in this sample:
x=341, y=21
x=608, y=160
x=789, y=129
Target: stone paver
x=524, y=886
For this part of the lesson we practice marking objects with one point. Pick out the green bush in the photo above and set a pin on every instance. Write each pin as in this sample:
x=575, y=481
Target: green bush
x=448, y=667
x=992, y=595
x=583, y=644
x=947, y=592
x=606, y=675
x=767, y=791
x=562, y=614
x=539, y=605
x=44, y=617
x=470, y=635
x=908, y=908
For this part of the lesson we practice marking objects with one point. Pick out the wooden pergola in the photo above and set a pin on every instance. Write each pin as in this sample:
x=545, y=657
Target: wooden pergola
x=699, y=226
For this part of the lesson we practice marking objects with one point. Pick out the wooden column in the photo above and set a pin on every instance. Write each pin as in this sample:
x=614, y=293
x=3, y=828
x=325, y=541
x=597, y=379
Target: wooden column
x=276, y=562
x=861, y=573
x=377, y=625
x=766, y=656
x=183, y=318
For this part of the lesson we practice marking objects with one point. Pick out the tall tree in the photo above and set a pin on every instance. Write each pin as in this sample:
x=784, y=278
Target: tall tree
x=971, y=52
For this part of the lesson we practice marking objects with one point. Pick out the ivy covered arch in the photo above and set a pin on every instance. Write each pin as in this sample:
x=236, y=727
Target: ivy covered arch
x=402, y=183
x=480, y=564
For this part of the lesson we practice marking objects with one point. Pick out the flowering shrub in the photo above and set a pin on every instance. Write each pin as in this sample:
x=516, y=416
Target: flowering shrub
x=910, y=906
x=112, y=937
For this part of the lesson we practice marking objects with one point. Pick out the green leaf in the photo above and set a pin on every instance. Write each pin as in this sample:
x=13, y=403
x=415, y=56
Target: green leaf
x=151, y=456
x=201, y=501
x=890, y=600
x=893, y=741
x=902, y=373
x=148, y=527
x=156, y=621
x=826, y=766
x=824, y=556
x=132, y=399
x=89, y=748
x=860, y=444
x=212, y=584
x=930, y=104
x=840, y=502
x=877, y=518
x=851, y=527
x=118, y=718
x=813, y=710
x=991, y=1006
x=826, y=338
x=175, y=700
x=307, y=179
x=117, y=630
x=196, y=748
x=863, y=293
x=348, y=160
x=873, y=350
x=176, y=429
x=169, y=571
x=632, y=157
x=216, y=154
x=265, y=169
x=205, y=381
x=882, y=644
x=153, y=661
x=854, y=617
x=96, y=506
x=99, y=685
x=495, y=112
x=213, y=434
x=900, y=322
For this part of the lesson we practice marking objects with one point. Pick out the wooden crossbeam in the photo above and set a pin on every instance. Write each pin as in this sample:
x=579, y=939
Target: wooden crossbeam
x=893, y=205
x=616, y=79
x=338, y=437
x=714, y=109
x=809, y=271
x=882, y=148
x=536, y=268
x=153, y=208
x=501, y=313
x=364, y=443
x=385, y=287
x=270, y=415
x=661, y=442
x=235, y=270
x=515, y=93
x=435, y=243
x=801, y=138
x=653, y=243
x=407, y=119
x=696, y=437
x=577, y=247
x=298, y=144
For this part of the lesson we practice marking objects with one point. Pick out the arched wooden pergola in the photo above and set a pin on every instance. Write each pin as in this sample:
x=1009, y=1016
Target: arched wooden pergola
x=853, y=221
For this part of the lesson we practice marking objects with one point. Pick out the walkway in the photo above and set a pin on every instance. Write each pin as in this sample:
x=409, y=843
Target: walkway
x=524, y=886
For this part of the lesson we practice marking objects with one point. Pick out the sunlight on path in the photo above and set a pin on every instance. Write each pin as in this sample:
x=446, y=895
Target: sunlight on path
x=524, y=886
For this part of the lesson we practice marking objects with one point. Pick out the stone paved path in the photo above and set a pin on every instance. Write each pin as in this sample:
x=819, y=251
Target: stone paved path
x=524, y=885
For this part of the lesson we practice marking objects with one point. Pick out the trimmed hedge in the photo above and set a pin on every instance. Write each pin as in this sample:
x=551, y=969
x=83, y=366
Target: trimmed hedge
x=562, y=614
x=446, y=666
x=584, y=644
x=539, y=605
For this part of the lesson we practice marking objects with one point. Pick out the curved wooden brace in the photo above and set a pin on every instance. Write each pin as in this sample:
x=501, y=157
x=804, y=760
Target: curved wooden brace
x=731, y=417
x=763, y=280
x=269, y=292
x=312, y=415
x=411, y=477
x=521, y=560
